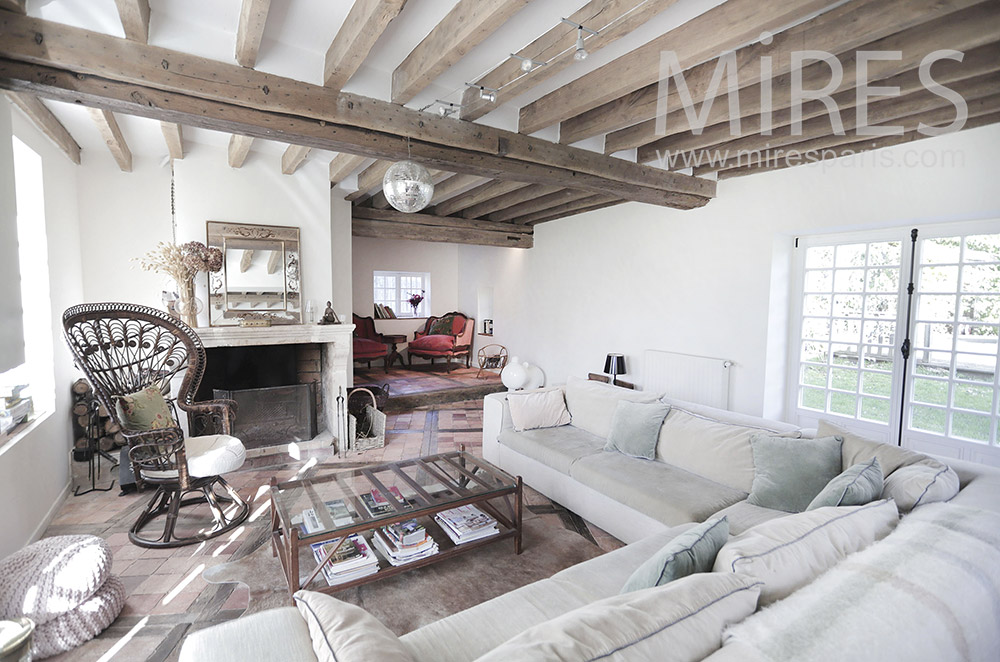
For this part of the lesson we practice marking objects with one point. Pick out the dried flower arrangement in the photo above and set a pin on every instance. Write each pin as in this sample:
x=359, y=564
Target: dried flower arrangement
x=183, y=263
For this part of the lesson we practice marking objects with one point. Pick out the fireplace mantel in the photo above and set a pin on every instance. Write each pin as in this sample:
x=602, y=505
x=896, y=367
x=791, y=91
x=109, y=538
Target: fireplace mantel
x=335, y=345
x=285, y=334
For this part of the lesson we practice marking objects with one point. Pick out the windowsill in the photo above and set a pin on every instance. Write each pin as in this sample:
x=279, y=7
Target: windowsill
x=22, y=430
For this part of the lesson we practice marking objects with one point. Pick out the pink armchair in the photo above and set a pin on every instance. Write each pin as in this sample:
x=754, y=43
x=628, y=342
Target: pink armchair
x=445, y=337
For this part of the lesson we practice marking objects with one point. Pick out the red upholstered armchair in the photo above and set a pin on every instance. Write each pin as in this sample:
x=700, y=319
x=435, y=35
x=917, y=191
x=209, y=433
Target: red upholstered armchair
x=369, y=344
x=447, y=336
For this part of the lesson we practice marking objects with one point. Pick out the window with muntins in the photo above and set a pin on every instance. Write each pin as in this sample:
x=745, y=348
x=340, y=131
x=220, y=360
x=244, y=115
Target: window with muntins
x=394, y=290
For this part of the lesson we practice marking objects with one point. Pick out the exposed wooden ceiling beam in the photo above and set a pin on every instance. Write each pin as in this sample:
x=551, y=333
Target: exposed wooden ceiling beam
x=454, y=185
x=590, y=203
x=462, y=29
x=343, y=165
x=253, y=16
x=853, y=145
x=239, y=147
x=539, y=204
x=294, y=156
x=727, y=26
x=918, y=34
x=905, y=113
x=391, y=224
x=112, y=134
x=45, y=58
x=134, y=15
x=508, y=200
x=476, y=195
x=16, y=6
x=364, y=24
x=977, y=62
x=369, y=181
x=174, y=136
x=614, y=19
x=47, y=123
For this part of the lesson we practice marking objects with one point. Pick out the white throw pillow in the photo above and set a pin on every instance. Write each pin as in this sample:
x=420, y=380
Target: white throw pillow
x=592, y=404
x=544, y=408
x=718, y=451
x=678, y=622
x=341, y=632
x=789, y=552
x=920, y=484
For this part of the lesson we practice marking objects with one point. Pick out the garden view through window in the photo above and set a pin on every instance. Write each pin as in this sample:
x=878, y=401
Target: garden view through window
x=851, y=325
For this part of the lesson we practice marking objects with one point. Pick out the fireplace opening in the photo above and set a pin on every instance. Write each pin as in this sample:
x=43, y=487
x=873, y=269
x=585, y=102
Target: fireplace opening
x=277, y=400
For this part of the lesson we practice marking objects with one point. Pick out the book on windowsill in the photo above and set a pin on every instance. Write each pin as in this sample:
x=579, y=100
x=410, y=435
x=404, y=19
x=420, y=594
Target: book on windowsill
x=352, y=560
x=466, y=523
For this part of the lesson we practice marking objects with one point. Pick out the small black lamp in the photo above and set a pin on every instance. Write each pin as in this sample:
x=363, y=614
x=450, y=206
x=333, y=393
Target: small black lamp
x=614, y=365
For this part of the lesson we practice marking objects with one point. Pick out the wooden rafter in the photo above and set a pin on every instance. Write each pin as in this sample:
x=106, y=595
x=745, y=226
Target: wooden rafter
x=369, y=181
x=539, y=204
x=294, y=156
x=47, y=123
x=977, y=62
x=364, y=24
x=476, y=195
x=45, y=58
x=614, y=19
x=173, y=134
x=727, y=26
x=454, y=185
x=462, y=29
x=112, y=134
x=239, y=147
x=134, y=15
x=343, y=165
x=17, y=6
x=581, y=206
x=506, y=200
x=853, y=145
x=253, y=17
x=960, y=30
x=392, y=224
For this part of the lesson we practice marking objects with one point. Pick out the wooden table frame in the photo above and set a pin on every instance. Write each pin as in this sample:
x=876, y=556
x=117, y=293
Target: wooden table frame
x=286, y=542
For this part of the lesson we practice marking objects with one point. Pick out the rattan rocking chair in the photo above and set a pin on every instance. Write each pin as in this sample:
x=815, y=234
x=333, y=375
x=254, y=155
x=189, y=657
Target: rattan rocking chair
x=123, y=348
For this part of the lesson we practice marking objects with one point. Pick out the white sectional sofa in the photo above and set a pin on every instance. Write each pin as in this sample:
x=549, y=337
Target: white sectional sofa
x=928, y=590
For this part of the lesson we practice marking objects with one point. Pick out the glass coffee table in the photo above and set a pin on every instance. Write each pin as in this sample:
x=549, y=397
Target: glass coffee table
x=336, y=516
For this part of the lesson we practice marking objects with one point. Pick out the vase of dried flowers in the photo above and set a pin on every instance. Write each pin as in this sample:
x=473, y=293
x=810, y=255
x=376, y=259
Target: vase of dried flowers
x=183, y=263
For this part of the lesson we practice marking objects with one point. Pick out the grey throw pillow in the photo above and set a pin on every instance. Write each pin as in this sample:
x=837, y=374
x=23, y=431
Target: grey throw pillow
x=692, y=551
x=789, y=473
x=856, y=486
x=635, y=428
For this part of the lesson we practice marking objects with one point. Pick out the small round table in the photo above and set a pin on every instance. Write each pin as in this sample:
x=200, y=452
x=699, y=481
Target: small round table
x=393, y=339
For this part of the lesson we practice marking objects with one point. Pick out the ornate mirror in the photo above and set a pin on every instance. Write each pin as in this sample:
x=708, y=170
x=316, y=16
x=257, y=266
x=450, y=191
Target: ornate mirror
x=260, y=275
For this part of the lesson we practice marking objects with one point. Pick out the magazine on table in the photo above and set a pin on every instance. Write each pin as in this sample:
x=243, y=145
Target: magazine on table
x=339, y=513
x=466, y=523
x=406, y=533
x=401, y=556
x=352, y=560
x=377, y=505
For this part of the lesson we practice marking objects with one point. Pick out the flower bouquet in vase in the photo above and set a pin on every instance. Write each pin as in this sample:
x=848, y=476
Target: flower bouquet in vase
x=183, y=263
x=415, y=300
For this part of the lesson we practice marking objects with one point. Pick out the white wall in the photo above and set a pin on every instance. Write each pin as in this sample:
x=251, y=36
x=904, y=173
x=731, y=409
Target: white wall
x=11, y=329
x=703, y=282
x=34, y=470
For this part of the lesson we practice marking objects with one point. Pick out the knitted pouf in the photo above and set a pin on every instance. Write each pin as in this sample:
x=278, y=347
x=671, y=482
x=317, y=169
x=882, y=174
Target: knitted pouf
x=81, y=624
x=52, y=576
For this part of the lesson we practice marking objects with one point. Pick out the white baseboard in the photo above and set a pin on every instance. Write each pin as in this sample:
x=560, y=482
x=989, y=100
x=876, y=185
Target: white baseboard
x=60, y=500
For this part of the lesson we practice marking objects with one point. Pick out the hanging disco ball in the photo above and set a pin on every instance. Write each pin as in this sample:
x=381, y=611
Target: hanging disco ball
x=408, y=186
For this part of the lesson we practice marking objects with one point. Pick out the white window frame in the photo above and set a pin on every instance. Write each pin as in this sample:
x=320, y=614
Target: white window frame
x=400, y=305
x=988, y=453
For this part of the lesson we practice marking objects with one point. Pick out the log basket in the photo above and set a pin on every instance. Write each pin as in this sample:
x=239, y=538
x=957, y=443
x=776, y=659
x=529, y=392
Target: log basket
x=366, y=430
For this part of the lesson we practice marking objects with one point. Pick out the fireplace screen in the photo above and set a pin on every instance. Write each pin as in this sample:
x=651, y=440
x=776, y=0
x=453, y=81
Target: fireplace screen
x=275, y=415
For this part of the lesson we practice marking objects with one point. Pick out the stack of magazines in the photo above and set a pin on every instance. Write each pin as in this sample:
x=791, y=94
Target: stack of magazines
x=376, y=504
x=404, y=542
x=339, y=513
x=466, y=523
x=353, y=560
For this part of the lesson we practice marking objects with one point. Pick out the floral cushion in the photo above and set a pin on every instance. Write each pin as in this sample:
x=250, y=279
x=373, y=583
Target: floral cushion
x=433, y=343
x=442, y=326
x=144, y=410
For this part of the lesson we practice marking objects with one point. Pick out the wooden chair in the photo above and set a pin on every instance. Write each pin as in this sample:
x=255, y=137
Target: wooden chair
x=369, y=344
x=450, y=337
x=124, y=348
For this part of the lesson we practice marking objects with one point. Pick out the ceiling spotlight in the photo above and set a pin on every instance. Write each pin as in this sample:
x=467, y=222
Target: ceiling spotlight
x=527, y=64
x=487, y=94
x=447, y=108
x=580, y=53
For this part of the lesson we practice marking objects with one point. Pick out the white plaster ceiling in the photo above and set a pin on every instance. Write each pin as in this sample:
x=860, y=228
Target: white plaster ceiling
x=296, y=37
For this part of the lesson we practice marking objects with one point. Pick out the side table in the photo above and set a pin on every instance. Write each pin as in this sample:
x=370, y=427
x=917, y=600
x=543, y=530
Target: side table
x=394, y=339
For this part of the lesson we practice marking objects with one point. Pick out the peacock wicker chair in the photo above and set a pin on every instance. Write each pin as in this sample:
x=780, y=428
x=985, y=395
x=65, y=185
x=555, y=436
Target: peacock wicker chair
x=124, y=348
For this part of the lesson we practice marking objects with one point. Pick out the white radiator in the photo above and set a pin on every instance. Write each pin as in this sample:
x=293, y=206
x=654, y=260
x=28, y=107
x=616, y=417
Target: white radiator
x=693, y=378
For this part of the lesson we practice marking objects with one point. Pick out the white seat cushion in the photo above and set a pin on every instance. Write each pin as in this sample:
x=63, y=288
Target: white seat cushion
x=210, y=455
x=276, y=635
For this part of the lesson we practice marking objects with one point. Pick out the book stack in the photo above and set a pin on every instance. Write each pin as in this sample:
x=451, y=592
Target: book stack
x=404, y=542
x=352, y=560
x=466, y=523
x=339, y=513
x=384, y=312
x=15, y=406
x=376, y=504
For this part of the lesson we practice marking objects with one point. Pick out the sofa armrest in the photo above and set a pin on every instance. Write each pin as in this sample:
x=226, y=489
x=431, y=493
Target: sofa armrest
x=276, y=635
x=495, y=412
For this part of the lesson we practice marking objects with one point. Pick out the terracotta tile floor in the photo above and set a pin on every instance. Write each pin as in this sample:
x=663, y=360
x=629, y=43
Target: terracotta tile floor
x=166, y=595
x=423, y=377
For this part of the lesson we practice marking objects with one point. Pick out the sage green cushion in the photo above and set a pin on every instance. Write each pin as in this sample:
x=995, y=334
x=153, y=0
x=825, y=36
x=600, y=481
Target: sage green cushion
x=144, y=410
x=442, y=326
x=856, y=486
x=692, y=551
x=635, y=428
x=789, y=473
